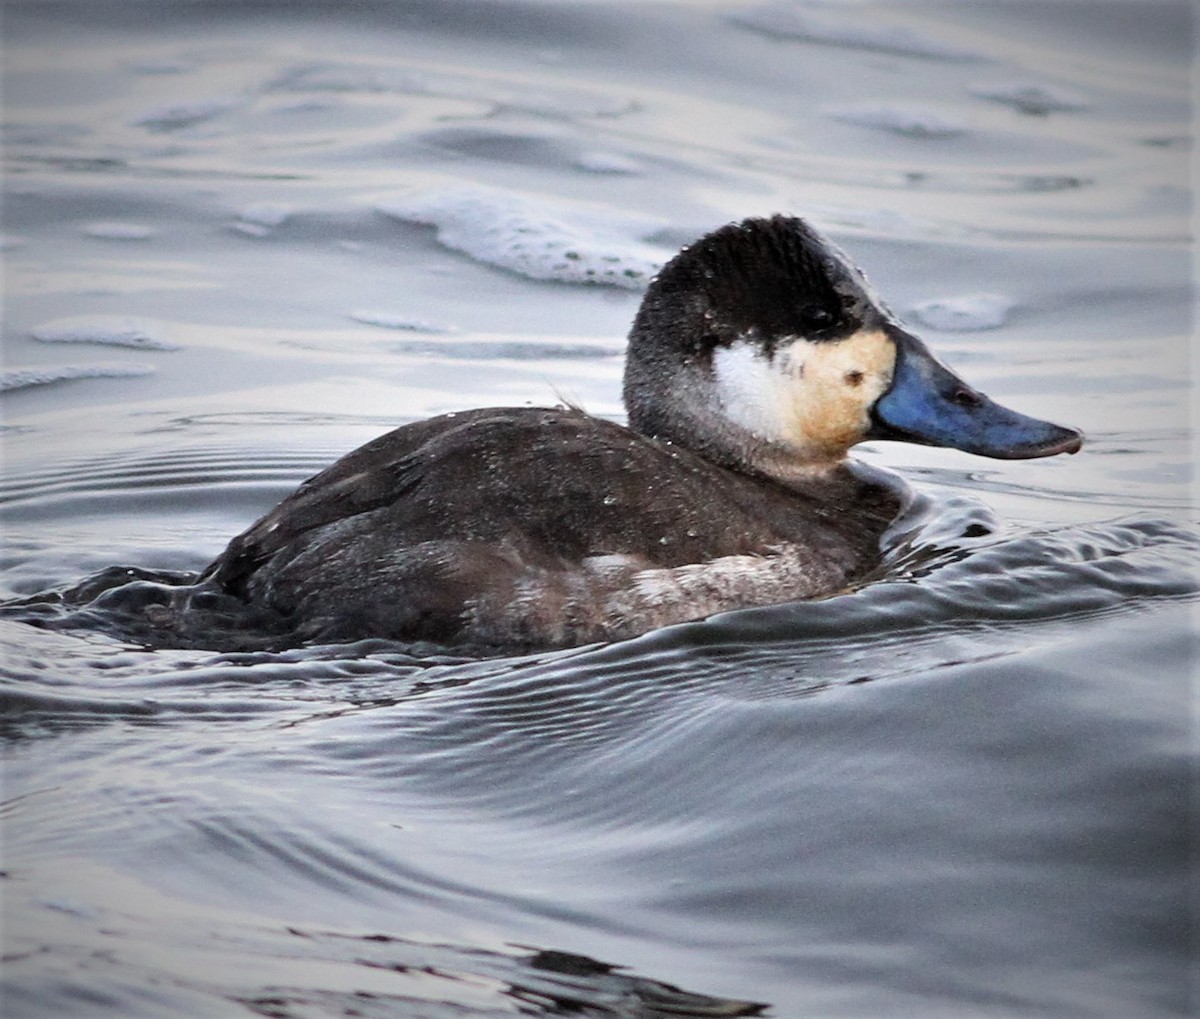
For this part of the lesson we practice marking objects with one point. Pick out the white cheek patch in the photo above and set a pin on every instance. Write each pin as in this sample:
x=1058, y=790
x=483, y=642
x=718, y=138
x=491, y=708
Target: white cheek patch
x=754, y=393
x=814, y=397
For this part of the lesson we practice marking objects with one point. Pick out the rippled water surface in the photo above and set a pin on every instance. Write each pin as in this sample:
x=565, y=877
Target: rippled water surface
x=242, y=238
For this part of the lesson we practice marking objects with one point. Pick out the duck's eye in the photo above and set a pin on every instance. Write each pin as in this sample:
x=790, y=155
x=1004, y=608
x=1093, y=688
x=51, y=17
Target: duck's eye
x=854, y=378
x=816, y=317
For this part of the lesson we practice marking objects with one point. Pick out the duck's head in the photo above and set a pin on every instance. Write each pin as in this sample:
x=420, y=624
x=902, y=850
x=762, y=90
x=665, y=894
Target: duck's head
x=762, y=347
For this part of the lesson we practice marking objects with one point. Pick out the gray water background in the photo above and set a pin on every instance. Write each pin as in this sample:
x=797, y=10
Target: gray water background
x=242, y=238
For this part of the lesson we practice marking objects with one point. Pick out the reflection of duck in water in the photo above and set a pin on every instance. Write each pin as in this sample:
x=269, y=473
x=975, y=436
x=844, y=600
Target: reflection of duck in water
x=757, y=359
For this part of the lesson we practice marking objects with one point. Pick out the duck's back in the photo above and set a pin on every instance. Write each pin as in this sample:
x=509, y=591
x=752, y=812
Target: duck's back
x=542, y=527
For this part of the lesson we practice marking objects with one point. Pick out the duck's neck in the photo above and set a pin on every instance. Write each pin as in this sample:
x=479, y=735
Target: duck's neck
x=678, y=403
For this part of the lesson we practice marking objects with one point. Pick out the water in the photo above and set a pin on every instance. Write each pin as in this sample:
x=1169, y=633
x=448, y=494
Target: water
x=241, y=239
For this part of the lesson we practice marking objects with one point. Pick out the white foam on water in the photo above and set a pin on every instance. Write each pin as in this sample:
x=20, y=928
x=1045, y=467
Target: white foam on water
x=535, y=237
x=106, y=330
x=43, y=375
x=116, y=231
x=843, y=28
x=965, y=313
x=390, y=320
x=911, y=121
x=1030, y=96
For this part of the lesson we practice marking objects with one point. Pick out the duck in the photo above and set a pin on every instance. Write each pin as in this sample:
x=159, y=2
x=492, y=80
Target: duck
x=758, y=358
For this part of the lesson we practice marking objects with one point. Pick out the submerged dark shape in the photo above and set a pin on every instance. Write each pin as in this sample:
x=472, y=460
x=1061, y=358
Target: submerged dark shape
x=758, y=357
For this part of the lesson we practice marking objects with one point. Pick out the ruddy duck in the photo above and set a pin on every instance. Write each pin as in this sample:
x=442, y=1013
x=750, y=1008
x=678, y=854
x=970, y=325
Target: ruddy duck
x=758, y=357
